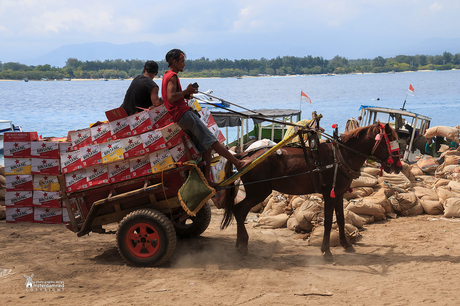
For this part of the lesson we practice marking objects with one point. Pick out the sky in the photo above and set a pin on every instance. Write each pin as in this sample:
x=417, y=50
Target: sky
x=256, y=28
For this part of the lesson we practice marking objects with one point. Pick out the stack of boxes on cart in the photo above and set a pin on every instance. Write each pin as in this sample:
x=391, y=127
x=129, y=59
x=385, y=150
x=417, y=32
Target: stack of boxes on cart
x=123, y=148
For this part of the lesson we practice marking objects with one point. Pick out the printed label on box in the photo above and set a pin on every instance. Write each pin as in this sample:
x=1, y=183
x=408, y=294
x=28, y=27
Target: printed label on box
x=71, y=161
x=20, y=136
x=179, y=153
x=46, y=183
x=119, y=171
x=97, y=175
x=19, y=198
x=44, y=149
x=111, y=151
x=91, y=155
x=172, y=134
x=17, y=149
x=216, y=131
x=140, y=123
x=76, y=181
x=45, y=166
x=65, y=147
x=18, y=166
x=140, y=166
x=19, y=214
x=80, y=138
x=161, y=160
x=153, y=141
x=120, y=128
x=46, y=199
x=19, y=182
x=160, y=117
x=47, y=215
x=132, y=147
x=101, y=133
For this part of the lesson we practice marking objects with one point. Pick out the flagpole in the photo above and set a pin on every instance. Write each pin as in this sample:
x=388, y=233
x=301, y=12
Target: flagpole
x=404, y=104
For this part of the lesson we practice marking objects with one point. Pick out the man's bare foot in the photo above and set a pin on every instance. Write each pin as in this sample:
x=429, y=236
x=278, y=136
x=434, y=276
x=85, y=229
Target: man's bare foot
x=242, y=164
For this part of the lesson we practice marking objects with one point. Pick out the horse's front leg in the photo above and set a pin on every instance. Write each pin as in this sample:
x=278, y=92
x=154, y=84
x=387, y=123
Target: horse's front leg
x=240, y=211
x=328, y=211
x=341, y=223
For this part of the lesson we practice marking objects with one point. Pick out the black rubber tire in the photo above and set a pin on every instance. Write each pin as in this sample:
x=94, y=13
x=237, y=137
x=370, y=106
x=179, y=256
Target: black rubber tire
x=194, y=226
x=157, y=227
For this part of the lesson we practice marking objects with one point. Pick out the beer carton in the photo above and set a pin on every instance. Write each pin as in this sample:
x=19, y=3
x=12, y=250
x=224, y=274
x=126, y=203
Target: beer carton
x=97, y=175
x=218, y=169
x=18, y=198
x=195, y=105
x=91, y=155
x=140, y=123
x=216, y=131
x=65, y=147
x=48, y=215
x=20, y=136
x=116, y=113
x=160, y=117
x=132, y=146
x=46, y=199
x=179, y=154
x=46, y=183
x=44, y=149
x=161, y=160
x=19, y=182
x=76, y=181
x=101, y=133
x=119, y=171
x=71, y=161
x=45, y=166
x=153, y=141
x=80, y=138
x=18, y=165
x=17, y=149
x=111, y=151
x=140, y=166
x=172, y=134
x=19, y=214
x=120, y=128
x=206, y=117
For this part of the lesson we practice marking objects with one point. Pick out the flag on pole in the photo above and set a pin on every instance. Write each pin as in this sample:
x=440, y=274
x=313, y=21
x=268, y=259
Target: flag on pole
x=304, y=97
x=411, y=89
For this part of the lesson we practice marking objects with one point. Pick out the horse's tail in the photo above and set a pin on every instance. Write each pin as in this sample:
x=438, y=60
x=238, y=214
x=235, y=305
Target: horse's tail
x=228, y=199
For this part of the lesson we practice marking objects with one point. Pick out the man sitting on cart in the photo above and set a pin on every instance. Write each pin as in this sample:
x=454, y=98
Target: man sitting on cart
x=173, y=97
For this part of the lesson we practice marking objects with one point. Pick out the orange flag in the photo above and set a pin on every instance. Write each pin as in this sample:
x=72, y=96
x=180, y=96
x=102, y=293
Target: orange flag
x=304, y=97
x=411, y=89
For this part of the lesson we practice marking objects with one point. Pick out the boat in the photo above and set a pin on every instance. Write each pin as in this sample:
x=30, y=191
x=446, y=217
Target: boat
x=410, y=127
x=5, y=127
x=206, y=101
x=25, y=79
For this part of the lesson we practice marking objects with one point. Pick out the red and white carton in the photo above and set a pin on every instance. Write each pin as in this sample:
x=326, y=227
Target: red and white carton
x=45, y=166
x=46, y=183
x=120, y=128
x=17, y=149
x=18, y=198
x=80, y=138
x=44, y=149
x=46, y=199
x=216, y=131
x=76, y=181
x=153, y=141
x=101, y=133
x=172, y=135
x=48, y=215
x=140, y=166
x=119, y=171
x=18, y=165
x=19, y=182
x=91, y=155
x=116, y=113
x=140, y=123
x=97, y=175
x=179, y=153
x=161, y=160
x=160, y=117
x=19, y=214
x=132, y=146
x=71, y=161
x=20, y=136
x=65, y=147
x=111, y=151
x=206, y=117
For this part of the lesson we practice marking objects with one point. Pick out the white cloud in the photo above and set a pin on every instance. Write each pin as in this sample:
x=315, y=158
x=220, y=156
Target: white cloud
x=435, y=7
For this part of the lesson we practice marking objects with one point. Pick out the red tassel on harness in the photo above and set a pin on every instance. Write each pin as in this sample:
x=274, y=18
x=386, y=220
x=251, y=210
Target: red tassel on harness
x=381, y=170
x=398, y=164
x=332, y=193
x=350, y=190
x=390, y=160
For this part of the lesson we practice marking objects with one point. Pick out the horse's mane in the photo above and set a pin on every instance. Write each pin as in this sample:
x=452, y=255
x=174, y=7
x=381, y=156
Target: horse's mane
x=359, y=132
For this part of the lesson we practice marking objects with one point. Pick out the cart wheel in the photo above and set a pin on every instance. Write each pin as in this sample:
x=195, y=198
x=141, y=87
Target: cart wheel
x=146, y=237
x=194, y=226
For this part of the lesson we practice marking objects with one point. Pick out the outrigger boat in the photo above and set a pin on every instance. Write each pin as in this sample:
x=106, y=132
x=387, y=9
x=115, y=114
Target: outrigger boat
x=6, y=126
x=205, y=100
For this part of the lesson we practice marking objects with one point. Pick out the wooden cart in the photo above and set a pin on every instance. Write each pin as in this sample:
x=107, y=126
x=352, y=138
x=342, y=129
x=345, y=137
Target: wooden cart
x=148, y=212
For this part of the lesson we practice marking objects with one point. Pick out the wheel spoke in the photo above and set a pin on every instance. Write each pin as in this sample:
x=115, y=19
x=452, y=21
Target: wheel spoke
x=138, y=248
x=133, y=236
x=153, y=236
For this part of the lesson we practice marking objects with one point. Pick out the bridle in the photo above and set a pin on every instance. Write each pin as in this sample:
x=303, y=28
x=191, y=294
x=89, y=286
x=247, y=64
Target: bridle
x=392, y=148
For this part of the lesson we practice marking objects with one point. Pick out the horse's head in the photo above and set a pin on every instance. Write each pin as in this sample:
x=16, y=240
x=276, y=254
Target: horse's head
x=386, y=147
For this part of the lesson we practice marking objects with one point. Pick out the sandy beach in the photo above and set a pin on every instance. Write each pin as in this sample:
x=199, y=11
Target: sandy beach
x=403, y=261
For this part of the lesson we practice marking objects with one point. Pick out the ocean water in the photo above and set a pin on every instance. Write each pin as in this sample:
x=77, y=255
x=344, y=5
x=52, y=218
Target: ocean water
x=53, y=108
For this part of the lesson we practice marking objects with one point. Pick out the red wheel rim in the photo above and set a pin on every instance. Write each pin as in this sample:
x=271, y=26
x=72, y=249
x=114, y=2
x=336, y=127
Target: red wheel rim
x=143, y=240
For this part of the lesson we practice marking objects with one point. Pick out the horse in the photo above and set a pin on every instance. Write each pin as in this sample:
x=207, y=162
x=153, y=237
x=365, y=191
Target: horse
x=289, y=171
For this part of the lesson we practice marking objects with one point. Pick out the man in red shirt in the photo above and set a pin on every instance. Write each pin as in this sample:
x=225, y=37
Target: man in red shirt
x=173, y=98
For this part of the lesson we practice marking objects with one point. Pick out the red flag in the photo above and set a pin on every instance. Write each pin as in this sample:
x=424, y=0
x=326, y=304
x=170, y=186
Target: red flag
x=411, y=88
x=304, y=97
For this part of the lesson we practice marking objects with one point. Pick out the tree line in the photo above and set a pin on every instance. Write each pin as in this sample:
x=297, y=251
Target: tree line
x=204, y=67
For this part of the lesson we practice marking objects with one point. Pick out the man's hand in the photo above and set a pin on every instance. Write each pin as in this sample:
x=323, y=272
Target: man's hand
x=190, y=89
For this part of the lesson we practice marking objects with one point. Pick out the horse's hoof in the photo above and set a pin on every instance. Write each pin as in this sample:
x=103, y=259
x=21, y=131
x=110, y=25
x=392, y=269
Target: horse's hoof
x=350, y=249
x=328, y=256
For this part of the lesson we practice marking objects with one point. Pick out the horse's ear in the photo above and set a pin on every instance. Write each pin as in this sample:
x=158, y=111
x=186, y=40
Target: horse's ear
x=387, y=129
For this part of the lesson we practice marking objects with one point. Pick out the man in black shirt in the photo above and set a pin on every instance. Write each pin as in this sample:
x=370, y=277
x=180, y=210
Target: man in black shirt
x=143, y=91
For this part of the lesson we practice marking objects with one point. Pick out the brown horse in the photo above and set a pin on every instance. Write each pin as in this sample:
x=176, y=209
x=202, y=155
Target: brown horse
x=295, y=177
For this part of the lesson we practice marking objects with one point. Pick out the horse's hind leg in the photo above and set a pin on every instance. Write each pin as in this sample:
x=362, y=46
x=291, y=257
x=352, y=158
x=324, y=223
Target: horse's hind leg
x=328, y=211
x=240, y=211
x=341, y=223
